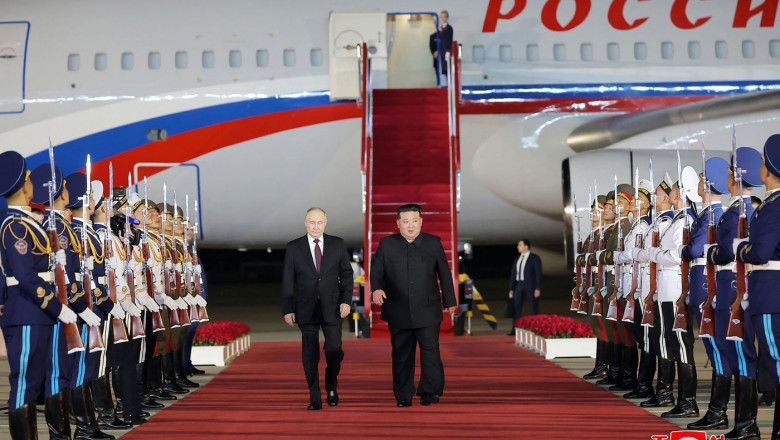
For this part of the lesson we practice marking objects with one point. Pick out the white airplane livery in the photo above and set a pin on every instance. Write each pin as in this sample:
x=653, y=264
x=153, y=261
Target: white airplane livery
x=230, y=101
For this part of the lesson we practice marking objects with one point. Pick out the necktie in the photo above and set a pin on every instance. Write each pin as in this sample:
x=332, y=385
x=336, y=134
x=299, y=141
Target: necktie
x=317, y=253
x=520, y=268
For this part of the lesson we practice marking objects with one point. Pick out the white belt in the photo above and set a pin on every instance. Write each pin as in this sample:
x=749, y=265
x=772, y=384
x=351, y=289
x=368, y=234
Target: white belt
x=594, y=269
x=729, y=266
x=101, y=280
x=772, y=265
x=699, y=262
x=79, y=278
x=660, y=267
x=609, y=268
x=46, y=276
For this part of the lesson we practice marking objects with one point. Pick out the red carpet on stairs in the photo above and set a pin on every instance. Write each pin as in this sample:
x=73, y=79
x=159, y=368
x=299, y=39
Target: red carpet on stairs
x=494, y=390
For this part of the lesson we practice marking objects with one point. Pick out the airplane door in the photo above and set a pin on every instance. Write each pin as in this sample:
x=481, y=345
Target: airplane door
x=348, y=30
x=13, y=55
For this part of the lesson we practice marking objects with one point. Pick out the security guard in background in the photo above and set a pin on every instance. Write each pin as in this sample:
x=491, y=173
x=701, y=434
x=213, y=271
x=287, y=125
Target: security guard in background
x=31, y=308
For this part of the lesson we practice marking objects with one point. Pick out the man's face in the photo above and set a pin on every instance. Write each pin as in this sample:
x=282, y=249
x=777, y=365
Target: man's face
x=609, y=211
x=315, y=223
x=624, y=205
x=179, y=226
x=521, y=247
x=444, y=17
x=410, y=225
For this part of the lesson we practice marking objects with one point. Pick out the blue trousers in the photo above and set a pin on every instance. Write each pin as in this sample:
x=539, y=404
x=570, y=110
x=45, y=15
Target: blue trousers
x=765, y=328
x=29, y=348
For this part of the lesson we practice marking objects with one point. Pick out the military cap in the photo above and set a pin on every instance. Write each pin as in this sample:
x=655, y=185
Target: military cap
x=13, y=172
x=97, y=193
x=165, y=209
x=626, y=191
x=40, y=178
x=690, y=184
x=179, y=211
x=76, y=184
x=749, y=162
x=601, y=200
x=772, y=154
x=716, y=171
x=610, y=196
x=646, y=188
x=666, y=184
x=136, y=202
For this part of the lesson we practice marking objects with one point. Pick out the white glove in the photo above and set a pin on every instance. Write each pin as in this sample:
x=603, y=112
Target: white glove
x=67, y=315
x=170, y=303
x=133, y=310
x=635, y=252
x=745, y=303
x=118, y=312
x=591, y=290
x=714, y=298
x=178, y=267
x=201, y=301
x=89, y=263
x=188, y=266
x=616, y=256
x=188, y=299
x=90, y=318
x=60, y=258
x=181, y=303
x=151, y=305
x=197, y=269
x=168, y=265
x=735, y=244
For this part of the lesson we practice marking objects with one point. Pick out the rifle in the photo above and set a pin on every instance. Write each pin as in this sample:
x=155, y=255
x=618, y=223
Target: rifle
x=95, y=341
x=629, y=311
x=193, y=309
x=612, y=310
x=681, y=319
x=184, y=318
x=117, y=325
x=136, y=325
x=72, y=337
x=583, y=306
x=575, y=292
x=157, y=322
x=173, y=315
x=736, y=330
x=598, y=298
x=203, y=316
x=648, y=318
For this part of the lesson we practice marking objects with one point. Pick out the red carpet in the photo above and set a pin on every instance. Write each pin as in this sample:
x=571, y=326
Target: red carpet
x=494, y=390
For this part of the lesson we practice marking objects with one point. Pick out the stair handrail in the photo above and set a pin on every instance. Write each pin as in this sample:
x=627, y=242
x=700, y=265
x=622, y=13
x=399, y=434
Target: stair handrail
x=366, y=99
x=453, y=102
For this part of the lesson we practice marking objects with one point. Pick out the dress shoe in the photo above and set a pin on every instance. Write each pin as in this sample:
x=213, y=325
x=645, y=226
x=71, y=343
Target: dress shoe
x=144, y=414
x=174, y=388
x=768, y=398
x=403, y=403
x=139, y=421
x=315, y=405
x=511, y=332
x=161, y=394
x=193, y=371
x=427, y=399
x=113, y=422
x=186, y=383
x=333, y=398
x=150, y=403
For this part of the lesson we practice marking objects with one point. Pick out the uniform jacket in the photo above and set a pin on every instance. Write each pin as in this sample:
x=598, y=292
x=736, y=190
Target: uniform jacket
x=407, y=273
x=667, y=256
x=639, y=228
x=69, y=242
x=763, y=246
x=695, y=249
x=643, y=255
x=101, y=301
x=722, y=253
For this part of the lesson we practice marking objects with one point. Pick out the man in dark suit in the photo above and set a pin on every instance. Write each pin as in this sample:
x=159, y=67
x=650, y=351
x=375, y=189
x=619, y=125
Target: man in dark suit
x=444, y=36
x=404, y=274
x=526, y=279
x=316, y=291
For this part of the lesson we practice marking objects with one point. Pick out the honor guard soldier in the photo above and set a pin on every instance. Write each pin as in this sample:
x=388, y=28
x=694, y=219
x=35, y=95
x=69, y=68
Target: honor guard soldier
x=186, y=300
x=713, y=184
x=32, y=312
x=663, y=218
x=603, y=352
x=761, y=254
x=643, y=373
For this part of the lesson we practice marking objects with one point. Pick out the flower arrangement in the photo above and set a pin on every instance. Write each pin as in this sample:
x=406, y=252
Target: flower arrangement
x=219, y=332
x=554, y=326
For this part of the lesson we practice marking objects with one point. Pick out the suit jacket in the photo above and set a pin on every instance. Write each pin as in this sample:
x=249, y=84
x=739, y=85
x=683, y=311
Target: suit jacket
x=302, y=285
x=532, y=275
x=408, y=272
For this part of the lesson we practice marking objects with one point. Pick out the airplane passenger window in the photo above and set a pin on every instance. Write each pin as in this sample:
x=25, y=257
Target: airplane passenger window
x=505, y=53
x=748, y=49
x=694, y=51
x=261, y=58
x=613, y=51
x=154, y=60
x=288, y=56
x=180, y=59
x=586, y=52
x=667, y=50
x=774, y=48
x=208, y=59
x=559, y=52
x=100, y=61
x=315, y=57
x=74, y=62
x=127, y=61
x=532, y=52
x=640, y=51
x=721, y=49
x=478, y=53
x=234, y=58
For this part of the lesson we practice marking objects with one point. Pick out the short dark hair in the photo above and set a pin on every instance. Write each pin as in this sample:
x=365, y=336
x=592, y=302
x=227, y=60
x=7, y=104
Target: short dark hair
x=527, y=242
x=409, y=207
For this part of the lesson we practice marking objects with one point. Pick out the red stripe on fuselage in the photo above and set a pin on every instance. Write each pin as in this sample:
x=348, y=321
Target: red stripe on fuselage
x=576, y=105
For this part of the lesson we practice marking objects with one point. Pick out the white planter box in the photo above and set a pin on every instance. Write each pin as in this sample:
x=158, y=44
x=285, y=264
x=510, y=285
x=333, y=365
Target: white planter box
x=555, y=348
x=220, y=355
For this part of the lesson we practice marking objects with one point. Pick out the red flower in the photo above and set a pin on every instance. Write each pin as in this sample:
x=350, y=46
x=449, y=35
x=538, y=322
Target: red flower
x=554, y=326
x=219, y=332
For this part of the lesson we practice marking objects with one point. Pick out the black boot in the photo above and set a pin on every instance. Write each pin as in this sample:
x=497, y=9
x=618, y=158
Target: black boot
x=686, y=393
x=628, y=375
x=84, y=412
x=745, y=410
x=156, y=389
x=645, y=374
x=22, y=422
x=663, y=390
x=613, y=372
x=602, y=365
x=169, y=375
x=716, y=417
x=767, y=398
x=104, y=405
x=57, y=415
x=147, y=402
x=181, y=376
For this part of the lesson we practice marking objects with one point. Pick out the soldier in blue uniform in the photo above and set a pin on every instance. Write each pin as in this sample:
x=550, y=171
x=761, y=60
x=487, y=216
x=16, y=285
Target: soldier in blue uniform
x=732, y=355
x=715, y=175
x=762, y=306
x=31, y=309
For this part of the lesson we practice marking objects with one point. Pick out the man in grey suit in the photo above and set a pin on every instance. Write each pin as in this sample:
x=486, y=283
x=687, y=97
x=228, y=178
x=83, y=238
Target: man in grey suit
x=316, y=291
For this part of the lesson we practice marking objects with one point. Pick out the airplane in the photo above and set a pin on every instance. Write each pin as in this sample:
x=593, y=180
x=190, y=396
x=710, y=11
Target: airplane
x=230, y=102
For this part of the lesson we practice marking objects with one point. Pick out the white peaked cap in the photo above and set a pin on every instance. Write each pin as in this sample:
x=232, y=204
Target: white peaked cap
x=690, y=184
x=133, y=199
x=97, y=190
x=668, y=180
x=645, y=184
